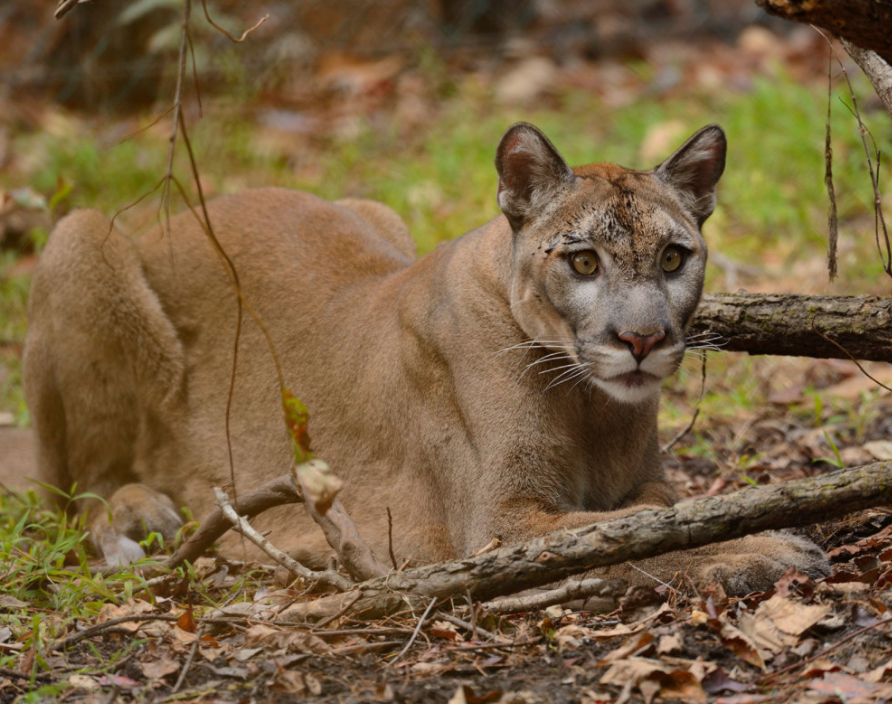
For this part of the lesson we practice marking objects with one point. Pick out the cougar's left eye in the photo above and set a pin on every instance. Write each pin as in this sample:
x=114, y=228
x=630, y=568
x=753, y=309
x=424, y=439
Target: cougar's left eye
x=585, y=263
x=672, y=258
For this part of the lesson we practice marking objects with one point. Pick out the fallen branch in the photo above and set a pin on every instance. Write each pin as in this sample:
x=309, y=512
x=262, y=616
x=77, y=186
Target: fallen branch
x=790, y=324
x=337, y=525
x=577, y=589
x=278, y=492
x=326, y=578
x=553, y=557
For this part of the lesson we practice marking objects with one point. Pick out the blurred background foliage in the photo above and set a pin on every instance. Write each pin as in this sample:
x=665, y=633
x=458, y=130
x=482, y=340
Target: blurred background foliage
x=405, y=101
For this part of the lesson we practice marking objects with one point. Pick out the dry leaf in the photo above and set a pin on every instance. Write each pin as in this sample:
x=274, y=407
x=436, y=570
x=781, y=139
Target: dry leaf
x=879, y=449
x=844, y=686
x=632, y=646
x=131, y=608
x=669, y=644
x=156, y=669
x=778, y=623
x=320, y=485
x=186, y=622
x=652, y=676
x=444, y=629
x=182, y=637
x=11, y=603
x=289, y=682
x=82, y=682
x=741, y=645
x=632, y=628
x=278, y=639
x=880, y=673
x=792, y=617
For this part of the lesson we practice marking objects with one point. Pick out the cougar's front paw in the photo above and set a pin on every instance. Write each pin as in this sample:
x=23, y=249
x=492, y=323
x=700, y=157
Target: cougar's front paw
x=756, y=562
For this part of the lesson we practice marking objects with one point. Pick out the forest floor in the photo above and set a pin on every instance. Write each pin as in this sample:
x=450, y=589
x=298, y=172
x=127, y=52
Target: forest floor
x=421, y=139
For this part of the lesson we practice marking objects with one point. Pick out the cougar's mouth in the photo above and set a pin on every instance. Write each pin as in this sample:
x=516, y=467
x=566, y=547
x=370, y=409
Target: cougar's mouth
x=634, y=379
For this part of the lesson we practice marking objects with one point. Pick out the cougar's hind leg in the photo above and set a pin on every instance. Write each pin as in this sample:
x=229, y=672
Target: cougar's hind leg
x=99, y=354
x=136, y=510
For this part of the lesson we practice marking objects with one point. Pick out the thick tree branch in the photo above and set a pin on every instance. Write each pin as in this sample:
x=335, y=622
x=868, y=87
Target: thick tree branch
x=553, y=557
x=864, y=22
x=789, y=324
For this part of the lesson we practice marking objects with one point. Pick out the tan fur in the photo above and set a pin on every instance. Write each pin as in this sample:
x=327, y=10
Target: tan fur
x=415, y=372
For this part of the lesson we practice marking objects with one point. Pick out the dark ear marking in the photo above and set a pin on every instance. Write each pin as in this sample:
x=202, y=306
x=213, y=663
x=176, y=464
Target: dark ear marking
x=694, y=170
x=531, y=171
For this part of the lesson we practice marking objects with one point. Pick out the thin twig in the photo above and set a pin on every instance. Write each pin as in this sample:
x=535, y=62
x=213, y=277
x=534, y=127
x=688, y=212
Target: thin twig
x=177, y=107
x=334, y=617
x=470, y=627
x=489, y=646
x=188, y=663
x=328, y=577
x=582, y=589
x=362, y=647
x=879, y=218
x=849, y=354
x=679, y=435
x=100, y=628
x=223, y=31
x=65, y=7
x=390, y=539
x=14, y=674
x=832, y=220
x=414, y=633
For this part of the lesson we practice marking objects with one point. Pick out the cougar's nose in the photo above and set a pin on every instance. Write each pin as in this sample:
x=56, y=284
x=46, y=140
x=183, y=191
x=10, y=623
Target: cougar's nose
x=641, y=345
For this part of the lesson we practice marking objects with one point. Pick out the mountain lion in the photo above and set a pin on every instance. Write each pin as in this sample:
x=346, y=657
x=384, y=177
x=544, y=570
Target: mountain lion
x=505, y=384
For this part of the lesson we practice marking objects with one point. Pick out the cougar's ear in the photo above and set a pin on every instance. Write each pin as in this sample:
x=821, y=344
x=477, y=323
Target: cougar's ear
x=695, y=169
x=530, y=172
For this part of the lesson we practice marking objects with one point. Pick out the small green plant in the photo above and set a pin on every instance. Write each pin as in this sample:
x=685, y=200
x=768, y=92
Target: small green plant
x=836, y=460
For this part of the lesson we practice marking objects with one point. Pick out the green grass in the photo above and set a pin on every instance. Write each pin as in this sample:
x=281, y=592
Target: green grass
x=47, y=565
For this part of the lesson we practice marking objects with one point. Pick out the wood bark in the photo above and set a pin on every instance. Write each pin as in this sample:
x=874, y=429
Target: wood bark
x=876, y=69
x=793, y=324
x=276, y=492
x=553, y=557
x=863, y=22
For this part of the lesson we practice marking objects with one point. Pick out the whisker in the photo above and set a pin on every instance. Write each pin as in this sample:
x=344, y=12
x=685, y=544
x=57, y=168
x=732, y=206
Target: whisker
x=587, y=376
x=529, y=344
x=553, y=357
x=713, y=347
x=569, y=374
x=557, y=369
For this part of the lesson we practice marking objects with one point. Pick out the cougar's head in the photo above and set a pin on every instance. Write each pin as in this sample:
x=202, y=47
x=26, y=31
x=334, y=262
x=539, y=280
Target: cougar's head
x=608, y=262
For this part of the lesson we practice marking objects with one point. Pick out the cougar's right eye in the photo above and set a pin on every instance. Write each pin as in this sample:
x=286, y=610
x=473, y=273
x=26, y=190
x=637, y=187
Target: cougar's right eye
x=585, y=263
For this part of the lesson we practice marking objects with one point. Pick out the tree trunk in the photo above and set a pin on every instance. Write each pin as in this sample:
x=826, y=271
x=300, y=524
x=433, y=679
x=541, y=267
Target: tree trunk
x=552, y=557
x=790, y=324
x=867, y=23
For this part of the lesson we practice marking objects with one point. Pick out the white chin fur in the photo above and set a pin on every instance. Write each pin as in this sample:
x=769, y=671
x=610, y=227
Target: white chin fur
x=627, y=393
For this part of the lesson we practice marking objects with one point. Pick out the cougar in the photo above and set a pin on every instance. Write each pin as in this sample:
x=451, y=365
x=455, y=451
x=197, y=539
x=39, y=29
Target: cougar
x=504, y=385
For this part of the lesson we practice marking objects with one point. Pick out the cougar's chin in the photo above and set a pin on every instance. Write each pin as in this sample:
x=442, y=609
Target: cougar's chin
x=631, y=387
